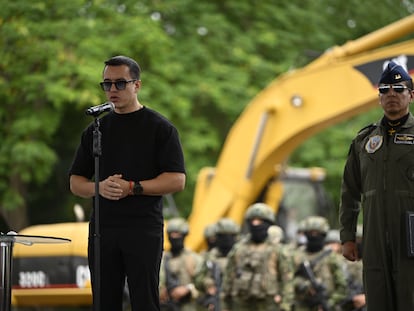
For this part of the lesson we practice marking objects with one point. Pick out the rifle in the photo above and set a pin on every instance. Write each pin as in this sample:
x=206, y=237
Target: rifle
x=208, y=300
x=216, y=273
x=306, y=270
x=354, y=289
x=171, y=281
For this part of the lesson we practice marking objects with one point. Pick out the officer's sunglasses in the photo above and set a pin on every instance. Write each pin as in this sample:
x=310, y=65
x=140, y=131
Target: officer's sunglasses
x=119, y=85
x=399, y=88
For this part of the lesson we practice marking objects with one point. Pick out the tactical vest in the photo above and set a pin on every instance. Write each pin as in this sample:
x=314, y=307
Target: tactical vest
x=256, y=271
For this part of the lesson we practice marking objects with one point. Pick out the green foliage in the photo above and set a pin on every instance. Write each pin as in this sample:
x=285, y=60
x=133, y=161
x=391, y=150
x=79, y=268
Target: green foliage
x=329, y=149
x=202, y=62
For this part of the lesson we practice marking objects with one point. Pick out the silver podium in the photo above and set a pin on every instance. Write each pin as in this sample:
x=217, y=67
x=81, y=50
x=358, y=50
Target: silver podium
x=6, y=260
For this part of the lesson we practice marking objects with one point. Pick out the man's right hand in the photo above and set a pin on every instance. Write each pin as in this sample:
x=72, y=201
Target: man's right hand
x=111, y=188
x=350, y=251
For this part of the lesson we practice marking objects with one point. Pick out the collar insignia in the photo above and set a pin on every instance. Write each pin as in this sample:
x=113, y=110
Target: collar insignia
x=374, y=143
x=406, y=139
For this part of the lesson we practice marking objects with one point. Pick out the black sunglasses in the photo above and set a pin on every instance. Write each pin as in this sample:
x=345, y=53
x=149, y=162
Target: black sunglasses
x=119, y=85
x=399, y=88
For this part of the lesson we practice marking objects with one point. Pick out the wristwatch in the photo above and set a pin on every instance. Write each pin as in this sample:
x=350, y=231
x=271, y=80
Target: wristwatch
x=138, y=189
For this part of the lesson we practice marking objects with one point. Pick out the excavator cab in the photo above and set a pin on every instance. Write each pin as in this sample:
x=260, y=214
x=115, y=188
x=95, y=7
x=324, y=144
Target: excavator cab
x=262, y=138
x=304, y=195
x=294, y=194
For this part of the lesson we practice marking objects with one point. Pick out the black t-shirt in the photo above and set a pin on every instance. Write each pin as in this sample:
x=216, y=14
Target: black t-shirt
x=139, y=145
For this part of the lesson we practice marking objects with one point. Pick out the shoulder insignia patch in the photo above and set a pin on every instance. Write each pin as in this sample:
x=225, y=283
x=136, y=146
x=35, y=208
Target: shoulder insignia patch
x=373, y=143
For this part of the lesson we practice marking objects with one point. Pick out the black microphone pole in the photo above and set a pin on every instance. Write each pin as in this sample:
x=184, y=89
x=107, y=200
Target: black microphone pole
x=97, y=151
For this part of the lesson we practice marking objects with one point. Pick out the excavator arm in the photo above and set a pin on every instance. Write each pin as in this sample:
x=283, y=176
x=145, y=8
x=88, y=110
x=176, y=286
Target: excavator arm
x=339, y=84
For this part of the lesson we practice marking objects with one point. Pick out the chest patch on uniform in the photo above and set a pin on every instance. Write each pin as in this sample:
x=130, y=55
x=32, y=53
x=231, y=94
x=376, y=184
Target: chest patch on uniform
x=406, y=139
x=373, y=143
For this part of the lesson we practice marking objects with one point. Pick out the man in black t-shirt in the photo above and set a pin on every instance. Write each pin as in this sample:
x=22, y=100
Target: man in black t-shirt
x=141, y=160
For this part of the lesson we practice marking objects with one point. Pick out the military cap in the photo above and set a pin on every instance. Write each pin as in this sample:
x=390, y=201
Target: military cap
x=394, y=73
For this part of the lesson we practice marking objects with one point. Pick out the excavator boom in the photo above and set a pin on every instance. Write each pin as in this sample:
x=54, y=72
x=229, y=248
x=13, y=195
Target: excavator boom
x=339, y=84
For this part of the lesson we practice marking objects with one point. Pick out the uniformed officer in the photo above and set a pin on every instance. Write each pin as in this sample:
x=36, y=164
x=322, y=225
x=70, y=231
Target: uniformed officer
x=379, y=176
x=179, y=268
x=320, y=282
x=259, y=273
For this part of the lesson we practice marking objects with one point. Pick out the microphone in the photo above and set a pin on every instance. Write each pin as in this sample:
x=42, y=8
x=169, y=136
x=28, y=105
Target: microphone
x=97, y=110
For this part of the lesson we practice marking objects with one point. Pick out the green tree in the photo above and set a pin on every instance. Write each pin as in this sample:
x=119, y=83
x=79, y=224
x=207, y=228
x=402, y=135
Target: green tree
x=51, y=62
x=202, y=62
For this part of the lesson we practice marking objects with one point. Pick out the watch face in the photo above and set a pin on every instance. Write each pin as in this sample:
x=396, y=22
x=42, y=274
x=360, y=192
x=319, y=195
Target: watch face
x=138, y=188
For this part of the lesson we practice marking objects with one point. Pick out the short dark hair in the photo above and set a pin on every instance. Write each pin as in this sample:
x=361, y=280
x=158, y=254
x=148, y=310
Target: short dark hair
x=120, y=60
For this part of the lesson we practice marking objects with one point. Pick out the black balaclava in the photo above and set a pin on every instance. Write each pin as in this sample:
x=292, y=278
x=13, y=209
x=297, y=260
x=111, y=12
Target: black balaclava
x=315, y=242
x=225, y=242
x=211, y=243
x=259, y=232
x=177, y=245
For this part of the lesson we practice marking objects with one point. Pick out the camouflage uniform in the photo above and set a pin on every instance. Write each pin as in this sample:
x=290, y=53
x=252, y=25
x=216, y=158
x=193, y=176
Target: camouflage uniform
x=209, y=280
x=210, y=236
x=180, y=270
x=354, y=278
x=256, y=273
x=328, y=269
x=276, y=234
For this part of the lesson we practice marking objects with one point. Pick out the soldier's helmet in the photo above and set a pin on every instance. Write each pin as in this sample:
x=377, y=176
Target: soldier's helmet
x=227, y=226
x=316, y=223
x=260, y=210
x=301, y=225
x=359, y=231
x=332, y=236
x=275, y=233
x=210, y=231
x=177, y=224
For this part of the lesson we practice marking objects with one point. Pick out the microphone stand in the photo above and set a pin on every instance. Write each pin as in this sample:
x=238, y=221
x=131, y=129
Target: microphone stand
x=97, y=152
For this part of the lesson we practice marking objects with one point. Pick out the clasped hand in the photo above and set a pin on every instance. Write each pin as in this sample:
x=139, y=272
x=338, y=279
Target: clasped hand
x=114, y=187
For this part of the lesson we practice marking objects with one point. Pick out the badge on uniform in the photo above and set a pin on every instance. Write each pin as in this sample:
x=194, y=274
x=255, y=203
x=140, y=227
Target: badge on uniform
x=374, y=143
x=410, y=233
x=406, y=139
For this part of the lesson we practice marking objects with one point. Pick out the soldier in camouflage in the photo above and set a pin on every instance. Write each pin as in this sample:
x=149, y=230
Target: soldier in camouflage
x=210, y=236
x=179, y=268
x=320, y=282
x=259, y=273
x=275, y=234
x=356, y=296
x=209, y=280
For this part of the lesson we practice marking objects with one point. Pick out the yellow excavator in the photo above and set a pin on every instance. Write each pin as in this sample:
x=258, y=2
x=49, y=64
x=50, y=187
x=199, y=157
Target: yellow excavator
x=339, y=84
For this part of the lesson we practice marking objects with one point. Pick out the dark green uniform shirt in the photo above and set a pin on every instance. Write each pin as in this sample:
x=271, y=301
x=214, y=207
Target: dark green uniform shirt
x=379, y=173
